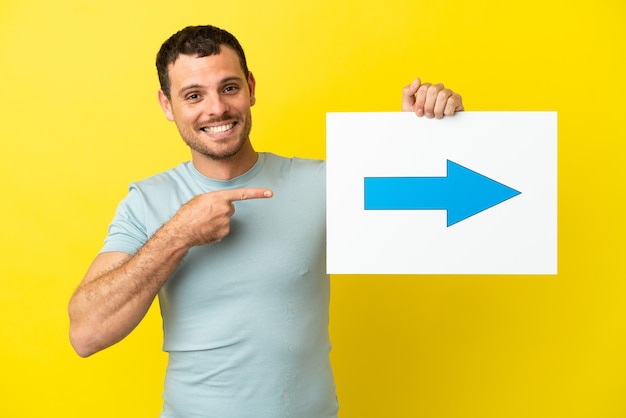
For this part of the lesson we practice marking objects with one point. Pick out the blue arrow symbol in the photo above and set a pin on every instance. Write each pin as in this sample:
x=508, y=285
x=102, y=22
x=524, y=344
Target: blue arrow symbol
x=462, y=193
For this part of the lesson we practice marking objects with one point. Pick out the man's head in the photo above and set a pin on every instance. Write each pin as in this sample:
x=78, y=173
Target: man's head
x=207, y=91
x=199, y=41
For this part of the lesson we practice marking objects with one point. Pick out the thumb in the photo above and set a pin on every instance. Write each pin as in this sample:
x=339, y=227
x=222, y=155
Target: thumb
x=408, y=95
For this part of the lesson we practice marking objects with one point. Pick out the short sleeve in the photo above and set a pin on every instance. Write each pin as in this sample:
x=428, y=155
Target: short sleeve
x=127, y=232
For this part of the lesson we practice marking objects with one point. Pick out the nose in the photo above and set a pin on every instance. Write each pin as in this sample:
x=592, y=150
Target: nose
x=215, y=105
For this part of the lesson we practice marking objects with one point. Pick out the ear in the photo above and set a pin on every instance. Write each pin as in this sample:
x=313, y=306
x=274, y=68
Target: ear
x=166, y=106
x=251, y=87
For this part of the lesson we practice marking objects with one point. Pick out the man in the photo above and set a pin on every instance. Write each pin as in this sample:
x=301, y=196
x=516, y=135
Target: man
x=245, y=318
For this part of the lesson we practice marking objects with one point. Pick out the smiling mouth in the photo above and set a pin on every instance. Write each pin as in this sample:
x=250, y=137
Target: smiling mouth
x=218, y=129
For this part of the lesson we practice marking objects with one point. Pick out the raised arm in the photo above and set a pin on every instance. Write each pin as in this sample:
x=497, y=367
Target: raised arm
x=430, y=100
x=118, y=288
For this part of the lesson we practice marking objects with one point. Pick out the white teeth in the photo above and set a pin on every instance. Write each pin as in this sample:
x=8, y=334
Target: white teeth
x=218, y=129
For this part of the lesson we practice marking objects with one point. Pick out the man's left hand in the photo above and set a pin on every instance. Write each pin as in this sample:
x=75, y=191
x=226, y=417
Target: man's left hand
x=430, y=100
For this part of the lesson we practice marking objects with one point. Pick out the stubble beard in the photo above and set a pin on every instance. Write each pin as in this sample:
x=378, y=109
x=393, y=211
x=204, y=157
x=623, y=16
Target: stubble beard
x=218, y=152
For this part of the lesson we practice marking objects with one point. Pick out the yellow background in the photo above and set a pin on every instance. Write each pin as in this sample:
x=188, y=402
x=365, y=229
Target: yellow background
x=79, y=120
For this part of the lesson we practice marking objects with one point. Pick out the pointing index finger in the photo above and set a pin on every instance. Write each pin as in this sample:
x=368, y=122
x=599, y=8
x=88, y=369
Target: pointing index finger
x=247, y=193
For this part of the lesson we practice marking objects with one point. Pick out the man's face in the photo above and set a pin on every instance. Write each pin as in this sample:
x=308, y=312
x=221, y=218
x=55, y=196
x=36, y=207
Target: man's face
x=210, y=103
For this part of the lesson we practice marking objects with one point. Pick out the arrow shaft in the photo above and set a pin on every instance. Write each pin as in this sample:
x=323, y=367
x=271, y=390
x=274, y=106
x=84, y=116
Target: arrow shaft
x=406, y=193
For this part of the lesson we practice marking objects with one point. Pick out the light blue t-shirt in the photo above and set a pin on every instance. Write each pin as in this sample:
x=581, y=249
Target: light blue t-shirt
x=245, y=320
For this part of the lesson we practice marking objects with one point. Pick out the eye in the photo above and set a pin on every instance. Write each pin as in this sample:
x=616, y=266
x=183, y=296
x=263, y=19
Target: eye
x=231, y=89
x=193, y=97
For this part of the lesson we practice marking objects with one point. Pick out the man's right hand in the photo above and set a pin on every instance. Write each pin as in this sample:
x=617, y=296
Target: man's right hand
x=205, y=219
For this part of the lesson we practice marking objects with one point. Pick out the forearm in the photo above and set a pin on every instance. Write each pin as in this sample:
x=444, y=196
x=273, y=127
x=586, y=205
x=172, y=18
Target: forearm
x=112, y=300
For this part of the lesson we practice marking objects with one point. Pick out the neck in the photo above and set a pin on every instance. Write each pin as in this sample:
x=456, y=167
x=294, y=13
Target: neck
x=228, y=168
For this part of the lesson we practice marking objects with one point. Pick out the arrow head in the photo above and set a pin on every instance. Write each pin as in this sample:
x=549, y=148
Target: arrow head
x=470, y=193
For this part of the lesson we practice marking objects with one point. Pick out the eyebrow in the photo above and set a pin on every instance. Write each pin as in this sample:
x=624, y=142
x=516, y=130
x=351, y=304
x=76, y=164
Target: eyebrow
x=225, y=80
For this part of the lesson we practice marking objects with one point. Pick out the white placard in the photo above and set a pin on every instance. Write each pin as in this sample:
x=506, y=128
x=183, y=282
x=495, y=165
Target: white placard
x=515, y=150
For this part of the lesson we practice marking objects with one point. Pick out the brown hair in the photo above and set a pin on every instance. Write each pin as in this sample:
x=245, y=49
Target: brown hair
x=201, y=41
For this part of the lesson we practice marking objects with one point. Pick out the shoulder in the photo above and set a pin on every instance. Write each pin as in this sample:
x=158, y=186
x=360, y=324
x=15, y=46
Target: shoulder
x=296, y=166
x=154, y=200
x=298, y=179
x=178, y=175
x=165, y=192
x=177, y=184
